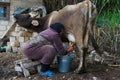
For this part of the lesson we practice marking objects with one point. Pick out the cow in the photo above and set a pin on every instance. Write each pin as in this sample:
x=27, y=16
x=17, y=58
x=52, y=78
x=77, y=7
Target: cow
x=78, y=20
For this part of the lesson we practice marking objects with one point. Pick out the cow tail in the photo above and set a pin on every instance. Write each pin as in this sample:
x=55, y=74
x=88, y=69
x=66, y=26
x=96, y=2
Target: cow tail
x=89, y=25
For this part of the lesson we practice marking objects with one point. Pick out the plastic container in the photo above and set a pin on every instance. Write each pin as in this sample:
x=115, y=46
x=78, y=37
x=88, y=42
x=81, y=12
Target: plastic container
x=3, y=48
x=64, y=63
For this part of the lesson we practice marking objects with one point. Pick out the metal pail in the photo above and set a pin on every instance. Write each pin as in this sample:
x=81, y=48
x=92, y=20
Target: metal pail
x=64, y=63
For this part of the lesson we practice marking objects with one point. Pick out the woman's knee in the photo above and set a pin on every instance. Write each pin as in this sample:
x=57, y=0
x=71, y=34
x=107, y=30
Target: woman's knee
x=49, y=54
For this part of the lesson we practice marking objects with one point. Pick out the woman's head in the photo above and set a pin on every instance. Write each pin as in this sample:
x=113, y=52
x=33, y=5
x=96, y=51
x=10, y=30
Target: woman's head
x=57, y=27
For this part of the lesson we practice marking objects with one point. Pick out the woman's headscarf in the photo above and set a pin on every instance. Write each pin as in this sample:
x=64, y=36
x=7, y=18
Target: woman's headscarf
x=57, y=27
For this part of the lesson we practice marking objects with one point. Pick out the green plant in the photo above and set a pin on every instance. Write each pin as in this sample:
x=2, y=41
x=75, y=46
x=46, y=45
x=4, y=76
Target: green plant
x=108, y=19
x=108, y=12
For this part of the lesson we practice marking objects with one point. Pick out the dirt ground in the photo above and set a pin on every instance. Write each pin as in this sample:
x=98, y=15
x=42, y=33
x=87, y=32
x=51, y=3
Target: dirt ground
x=95, y=71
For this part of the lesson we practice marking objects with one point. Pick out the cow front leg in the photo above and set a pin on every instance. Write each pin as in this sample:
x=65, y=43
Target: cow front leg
x=82, y=63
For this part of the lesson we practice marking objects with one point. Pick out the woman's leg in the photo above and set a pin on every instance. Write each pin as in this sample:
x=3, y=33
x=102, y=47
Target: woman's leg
x=49, y=53
x=47, y=59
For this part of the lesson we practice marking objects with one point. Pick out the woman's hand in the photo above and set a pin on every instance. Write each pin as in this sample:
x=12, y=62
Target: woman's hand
x=69, y=49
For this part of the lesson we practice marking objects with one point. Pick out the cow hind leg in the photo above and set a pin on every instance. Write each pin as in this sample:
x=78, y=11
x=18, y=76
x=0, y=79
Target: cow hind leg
x=82, y=52
x=83, y=70
x=82, y=61
x=83, y=48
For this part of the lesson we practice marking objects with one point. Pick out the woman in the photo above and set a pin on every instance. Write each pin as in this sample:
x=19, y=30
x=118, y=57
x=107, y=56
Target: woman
x=45, y=46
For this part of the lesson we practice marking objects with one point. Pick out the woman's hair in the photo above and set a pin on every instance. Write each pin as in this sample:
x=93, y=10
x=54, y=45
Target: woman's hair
x=57, y=27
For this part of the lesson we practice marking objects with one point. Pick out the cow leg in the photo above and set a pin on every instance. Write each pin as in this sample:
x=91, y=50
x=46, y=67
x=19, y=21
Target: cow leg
x=82, y=63
x=79, y=43
x=84, y=60
x=83, y=48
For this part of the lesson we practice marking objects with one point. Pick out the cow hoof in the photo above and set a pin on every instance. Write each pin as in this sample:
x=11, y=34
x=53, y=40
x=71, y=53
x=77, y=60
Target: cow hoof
x=80, y=71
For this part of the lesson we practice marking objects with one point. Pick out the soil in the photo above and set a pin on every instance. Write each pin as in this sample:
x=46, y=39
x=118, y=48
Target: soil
x=95, y=71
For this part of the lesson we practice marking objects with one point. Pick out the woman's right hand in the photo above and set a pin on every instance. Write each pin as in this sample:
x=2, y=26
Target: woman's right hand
x=69, y=49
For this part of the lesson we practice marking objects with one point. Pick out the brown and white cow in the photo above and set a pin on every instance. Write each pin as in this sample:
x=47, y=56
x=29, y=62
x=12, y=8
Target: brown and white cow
x=78, y=20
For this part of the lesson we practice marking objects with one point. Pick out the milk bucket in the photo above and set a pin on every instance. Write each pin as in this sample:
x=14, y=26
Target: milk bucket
x=64, y=63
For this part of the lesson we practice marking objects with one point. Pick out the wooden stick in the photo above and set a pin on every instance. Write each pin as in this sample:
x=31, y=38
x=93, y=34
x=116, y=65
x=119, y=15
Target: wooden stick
x=114, y=65
x=12, y=26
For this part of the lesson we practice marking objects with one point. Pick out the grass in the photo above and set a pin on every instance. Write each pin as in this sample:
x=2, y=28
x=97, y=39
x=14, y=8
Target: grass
x=108, y=19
